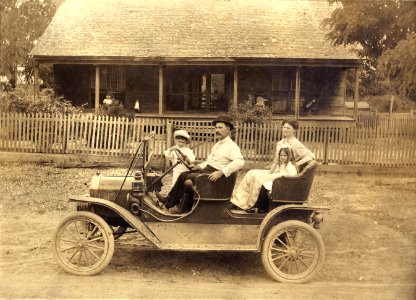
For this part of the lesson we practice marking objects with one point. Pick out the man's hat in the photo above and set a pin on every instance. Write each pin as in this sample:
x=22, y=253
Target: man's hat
x=183, y=134
x=224, y=119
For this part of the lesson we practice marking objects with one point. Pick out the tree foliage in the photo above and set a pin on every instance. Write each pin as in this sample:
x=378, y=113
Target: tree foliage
x=382, y=30
x=22, y=23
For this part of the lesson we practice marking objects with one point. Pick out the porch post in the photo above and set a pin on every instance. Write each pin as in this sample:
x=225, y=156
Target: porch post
x=97, y=88
x=235, y=86
x=35, y=80
x=356, y=93
x=297, y=93
x=160, y=90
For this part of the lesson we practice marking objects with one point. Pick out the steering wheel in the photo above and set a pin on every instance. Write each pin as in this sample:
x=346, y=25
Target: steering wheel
x=181, y=158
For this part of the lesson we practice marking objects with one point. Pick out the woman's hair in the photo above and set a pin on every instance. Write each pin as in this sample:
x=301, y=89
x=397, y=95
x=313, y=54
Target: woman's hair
x=288, y=152
x=291, y=122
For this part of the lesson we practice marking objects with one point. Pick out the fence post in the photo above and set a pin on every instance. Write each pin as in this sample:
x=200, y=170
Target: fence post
x=326, y=137
x=169, y=134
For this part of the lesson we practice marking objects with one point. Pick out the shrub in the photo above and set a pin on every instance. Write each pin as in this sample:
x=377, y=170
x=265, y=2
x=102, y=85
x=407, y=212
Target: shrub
x=249, y=112
x=115, y=109
x=22, y=100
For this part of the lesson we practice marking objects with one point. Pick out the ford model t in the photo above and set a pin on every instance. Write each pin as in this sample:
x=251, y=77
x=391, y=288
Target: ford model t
x=291, y=248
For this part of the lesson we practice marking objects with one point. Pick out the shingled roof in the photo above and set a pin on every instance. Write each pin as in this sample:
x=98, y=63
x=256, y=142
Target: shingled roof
x=137, y=29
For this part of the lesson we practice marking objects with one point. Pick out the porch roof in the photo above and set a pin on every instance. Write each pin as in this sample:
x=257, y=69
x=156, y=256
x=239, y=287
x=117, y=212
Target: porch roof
x=153, y=30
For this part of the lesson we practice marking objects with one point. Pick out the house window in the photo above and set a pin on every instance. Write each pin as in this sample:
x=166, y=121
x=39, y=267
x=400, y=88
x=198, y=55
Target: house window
x=112, y=80
x=195, y=91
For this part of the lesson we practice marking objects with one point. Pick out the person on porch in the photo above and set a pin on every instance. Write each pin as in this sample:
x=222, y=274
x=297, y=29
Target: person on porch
x=225, y=158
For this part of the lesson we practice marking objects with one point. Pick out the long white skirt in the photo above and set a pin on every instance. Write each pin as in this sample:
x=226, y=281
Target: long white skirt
x=247, y=192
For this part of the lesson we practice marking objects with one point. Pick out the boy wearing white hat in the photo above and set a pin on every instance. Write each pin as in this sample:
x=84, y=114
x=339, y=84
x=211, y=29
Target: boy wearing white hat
x=182, y=138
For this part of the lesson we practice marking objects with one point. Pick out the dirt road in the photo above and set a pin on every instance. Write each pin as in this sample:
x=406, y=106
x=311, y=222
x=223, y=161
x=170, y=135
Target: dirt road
x=369, y=234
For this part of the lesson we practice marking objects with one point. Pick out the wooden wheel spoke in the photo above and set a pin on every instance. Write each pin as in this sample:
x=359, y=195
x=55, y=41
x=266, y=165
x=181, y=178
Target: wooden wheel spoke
x=80, y=257
x=311, y=255
x=278, y=249
x=277, y=257
x=283, y=263
x=95, y=255
x=297, y=265
x=69, y=241
x=92, y=232
x=96, y=247
x=284, y=244
x=98, y=238
x=73, y=255
x=302, y=261
x=86, y=257
x=67, y=248
x=67, y=230
x=76, y=228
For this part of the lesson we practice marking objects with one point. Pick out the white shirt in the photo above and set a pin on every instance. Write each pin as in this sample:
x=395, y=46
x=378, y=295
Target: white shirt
x=225, y=156
x=283, y=170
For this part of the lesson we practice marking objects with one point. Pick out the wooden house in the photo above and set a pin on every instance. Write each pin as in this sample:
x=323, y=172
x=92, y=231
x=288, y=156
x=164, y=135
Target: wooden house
x=196, y=58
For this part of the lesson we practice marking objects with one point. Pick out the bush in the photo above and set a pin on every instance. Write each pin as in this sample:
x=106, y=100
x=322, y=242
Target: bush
x=115, y=109
x=249, y=112
x=21, y=100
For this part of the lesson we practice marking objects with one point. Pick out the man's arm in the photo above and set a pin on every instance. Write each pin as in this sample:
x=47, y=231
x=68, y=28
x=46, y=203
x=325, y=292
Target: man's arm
x=237, y=160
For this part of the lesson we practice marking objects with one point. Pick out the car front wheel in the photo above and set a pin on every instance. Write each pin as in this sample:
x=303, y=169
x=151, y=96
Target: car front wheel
x=292, y=252
x=83, y=243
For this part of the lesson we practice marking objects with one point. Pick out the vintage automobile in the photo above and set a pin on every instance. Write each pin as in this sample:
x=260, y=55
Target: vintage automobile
x=291, y=248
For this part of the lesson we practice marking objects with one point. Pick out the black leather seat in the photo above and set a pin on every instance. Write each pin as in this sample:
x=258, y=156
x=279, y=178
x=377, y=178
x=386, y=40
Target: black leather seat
x=294, y=189
x=219, y=190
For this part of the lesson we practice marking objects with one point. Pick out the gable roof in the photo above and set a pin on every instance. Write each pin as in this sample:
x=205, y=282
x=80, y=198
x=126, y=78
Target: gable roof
x=269, y=29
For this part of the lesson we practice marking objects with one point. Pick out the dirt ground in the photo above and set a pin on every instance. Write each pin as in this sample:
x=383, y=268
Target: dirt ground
x=369, y=235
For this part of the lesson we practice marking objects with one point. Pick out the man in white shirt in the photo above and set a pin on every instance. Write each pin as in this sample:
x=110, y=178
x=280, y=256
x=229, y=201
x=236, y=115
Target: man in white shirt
x=225, y=158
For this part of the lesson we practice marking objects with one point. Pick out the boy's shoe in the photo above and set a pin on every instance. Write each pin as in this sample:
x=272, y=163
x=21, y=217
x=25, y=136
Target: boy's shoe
x=161, y=198
x=175, y=210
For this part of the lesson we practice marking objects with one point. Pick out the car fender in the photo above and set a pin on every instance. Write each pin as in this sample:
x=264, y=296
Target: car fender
x=271, y=218
x=133, y=220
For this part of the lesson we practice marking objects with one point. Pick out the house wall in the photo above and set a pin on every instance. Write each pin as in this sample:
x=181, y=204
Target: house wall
x=73, y=83
x=328, y=86
x=277, y=85
x=142, y=83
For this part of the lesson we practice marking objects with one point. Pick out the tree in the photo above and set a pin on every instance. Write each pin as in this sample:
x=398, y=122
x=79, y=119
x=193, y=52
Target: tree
x=381, y=30
x=22, y=23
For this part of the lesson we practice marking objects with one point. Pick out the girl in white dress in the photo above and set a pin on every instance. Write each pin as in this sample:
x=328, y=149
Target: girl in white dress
x=247, y=192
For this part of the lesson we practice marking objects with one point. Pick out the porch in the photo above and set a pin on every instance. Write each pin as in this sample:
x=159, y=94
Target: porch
x=184, y=90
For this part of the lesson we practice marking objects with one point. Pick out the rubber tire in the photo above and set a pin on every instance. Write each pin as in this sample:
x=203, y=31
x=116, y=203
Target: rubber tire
x=270, y=238
x=108, y=234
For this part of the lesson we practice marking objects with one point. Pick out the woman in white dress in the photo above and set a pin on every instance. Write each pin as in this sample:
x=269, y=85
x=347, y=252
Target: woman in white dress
x=246, y=194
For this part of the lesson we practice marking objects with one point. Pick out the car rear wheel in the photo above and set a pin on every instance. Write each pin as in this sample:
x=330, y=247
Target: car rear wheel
x=292, y=252
x=83, y=243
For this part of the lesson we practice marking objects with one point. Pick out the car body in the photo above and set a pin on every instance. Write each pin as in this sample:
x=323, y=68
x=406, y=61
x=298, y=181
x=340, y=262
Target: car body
x=291, y=248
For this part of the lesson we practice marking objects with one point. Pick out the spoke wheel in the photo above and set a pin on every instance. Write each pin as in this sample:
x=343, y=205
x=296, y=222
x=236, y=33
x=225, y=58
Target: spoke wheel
x=293, y=252
x=83, y=243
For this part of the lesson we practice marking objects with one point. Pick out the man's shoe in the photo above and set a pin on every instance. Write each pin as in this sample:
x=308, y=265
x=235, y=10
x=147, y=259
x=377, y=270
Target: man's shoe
x=175, y=210
x=161, y=198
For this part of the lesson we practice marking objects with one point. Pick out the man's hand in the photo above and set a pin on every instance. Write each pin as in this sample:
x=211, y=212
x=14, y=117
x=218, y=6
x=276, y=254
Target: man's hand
x=214, y=176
